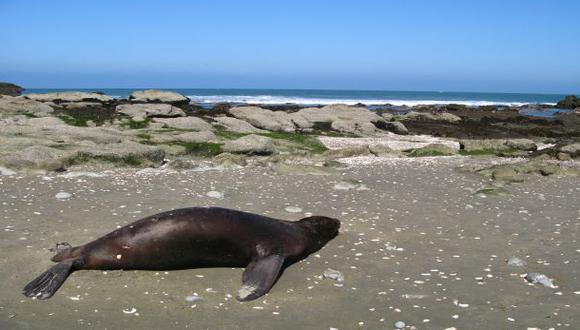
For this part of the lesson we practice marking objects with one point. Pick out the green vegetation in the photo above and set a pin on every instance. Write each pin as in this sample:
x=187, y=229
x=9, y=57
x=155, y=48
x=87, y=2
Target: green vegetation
x=130, y=123
x=493, y=191
x=487, y=152
x=80, y=117
x=202, y=149
x=310, y=142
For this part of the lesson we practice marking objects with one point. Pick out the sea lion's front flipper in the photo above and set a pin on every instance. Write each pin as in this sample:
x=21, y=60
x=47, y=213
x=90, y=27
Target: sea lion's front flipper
x=259, y=277
x=45, y=285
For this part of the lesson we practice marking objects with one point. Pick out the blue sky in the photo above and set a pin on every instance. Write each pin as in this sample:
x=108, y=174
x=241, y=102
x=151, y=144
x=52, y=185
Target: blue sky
x=509, y=46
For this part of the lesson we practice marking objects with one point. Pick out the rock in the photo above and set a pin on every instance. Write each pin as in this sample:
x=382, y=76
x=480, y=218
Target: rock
x=506, y=174
x=572, y=149
x=347, y=152
x=396, y=127
x=522, y=144
x=563, y=156
x=63, y=97
x=265, y=119
x=443, y=116
x=251, y=145
x=6, y=171
x=193, y=299
x=293, y=209
x=153, y=95
x=400, y=325
x=18, y=105
x=150, y=110
x=63, y=195
x=354, y=127
x=387, y=116
x=490, y=146
x=187, y=137
x=335, y=275
x=37, y=157
x=226, y=159
x=10, y=89
x=569, y=102
x=380, y=150
x=542, y=279
x=236, y=125
x=215, y=194
x=434, y=149
x=126, y=153
x=189, y=123
x=516, y=262
x=339, y=117
x=79, y=105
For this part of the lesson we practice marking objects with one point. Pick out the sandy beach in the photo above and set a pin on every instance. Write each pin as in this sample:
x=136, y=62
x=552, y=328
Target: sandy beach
x=416, y=245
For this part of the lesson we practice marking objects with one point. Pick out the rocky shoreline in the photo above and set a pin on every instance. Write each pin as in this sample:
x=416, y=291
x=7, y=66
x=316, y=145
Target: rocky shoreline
x=55, y=131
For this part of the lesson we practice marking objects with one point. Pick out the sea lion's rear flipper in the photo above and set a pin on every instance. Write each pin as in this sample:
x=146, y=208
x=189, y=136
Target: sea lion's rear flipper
x=259, y=277
x=45, y=285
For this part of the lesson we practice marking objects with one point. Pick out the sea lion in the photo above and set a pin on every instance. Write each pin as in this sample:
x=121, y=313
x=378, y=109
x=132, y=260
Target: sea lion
x=192, y=238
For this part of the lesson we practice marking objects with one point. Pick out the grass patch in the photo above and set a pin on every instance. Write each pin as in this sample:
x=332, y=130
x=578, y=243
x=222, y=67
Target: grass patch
x=487, y=152
x=130, y=123
x=202, y=149
x=80, y=117
x=308, y=141
x=223, y=133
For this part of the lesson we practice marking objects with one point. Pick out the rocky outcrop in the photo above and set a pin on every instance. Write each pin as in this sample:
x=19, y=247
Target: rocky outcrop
x=570, y=102
x=188, y=123
x=438, y=116
x=226, y=159
x=157, y=96
x=150, y=110
x=396, y=127
x=434, y=149
x=339, y=117
x=21, y=106
x=65, y=97
x=232, y=124
x=277, y=121
x=250, y=145
x=521, y=144
x=187, y=137
x=10, y=89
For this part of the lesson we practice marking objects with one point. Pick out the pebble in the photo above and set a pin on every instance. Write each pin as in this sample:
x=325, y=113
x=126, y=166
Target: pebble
x=334, y=275
x=63, y=195
x=6, y=172
x=215, y=194
x=516, y=262
x=293, y=209
x=399, y=325
x=193, y=299
x=541, y=279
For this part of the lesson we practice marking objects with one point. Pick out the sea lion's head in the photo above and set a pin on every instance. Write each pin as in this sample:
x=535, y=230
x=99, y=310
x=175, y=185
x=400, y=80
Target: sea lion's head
x=320, y=230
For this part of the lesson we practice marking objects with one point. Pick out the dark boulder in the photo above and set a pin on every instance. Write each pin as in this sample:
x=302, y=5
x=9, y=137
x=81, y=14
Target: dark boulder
x=10, y=89
x=570, y=102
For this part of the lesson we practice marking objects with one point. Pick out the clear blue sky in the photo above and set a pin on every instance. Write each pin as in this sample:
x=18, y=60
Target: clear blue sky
x=510, y=46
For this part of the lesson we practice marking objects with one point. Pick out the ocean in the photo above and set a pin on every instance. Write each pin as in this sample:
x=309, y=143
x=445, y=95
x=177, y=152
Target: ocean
x=322, y=97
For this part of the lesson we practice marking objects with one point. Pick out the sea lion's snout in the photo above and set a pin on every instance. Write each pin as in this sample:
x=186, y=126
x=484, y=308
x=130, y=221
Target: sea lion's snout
x=324, y=228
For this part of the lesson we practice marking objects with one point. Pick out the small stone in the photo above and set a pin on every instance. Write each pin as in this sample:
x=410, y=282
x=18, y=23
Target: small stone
x=193, y=299
x=63, y=195
x=541, y=279
x=516, y=262
x=6, y=172
x=293, y=209
x=215, y=194
x=399, y=325
x=333, y=275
